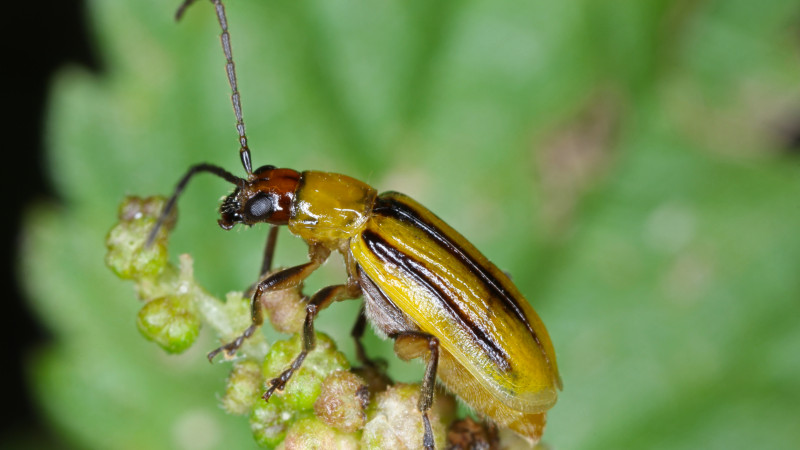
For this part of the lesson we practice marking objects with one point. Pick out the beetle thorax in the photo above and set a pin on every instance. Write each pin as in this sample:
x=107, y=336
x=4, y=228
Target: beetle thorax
x=330, y=207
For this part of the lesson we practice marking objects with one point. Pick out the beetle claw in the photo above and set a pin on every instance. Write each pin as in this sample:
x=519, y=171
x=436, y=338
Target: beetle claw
x=229, y=349
x=276, y=384
x=213, y=353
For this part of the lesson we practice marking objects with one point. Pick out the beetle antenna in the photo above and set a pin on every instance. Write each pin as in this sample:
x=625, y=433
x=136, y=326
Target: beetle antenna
x=194, y=170
x=182, y=9
x=230, y=69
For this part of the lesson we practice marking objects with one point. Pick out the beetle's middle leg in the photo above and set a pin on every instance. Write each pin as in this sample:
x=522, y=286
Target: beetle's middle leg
x=318, y=302
x=373, y=371
x=414, y=344
x=361, y=355
x=283, y=279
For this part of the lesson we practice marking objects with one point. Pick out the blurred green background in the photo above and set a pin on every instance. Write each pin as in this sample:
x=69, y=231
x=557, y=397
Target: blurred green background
x=634, y=165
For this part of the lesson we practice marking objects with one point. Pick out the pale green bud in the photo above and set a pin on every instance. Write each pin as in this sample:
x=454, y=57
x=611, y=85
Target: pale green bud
x=171, y=322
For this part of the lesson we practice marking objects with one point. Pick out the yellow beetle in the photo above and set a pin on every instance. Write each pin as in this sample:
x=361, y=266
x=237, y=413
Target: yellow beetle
x=424, y=285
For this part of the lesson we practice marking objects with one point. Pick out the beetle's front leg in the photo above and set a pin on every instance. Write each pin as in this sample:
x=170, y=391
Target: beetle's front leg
x=269, y=251
x=318, y=302
x=283, y=279
x=414, y=344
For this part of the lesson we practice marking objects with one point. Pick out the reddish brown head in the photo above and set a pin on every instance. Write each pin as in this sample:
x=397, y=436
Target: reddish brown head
x=267, y=196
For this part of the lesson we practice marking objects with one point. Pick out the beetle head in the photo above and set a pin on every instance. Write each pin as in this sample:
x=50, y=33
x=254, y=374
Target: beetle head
x=266, y=196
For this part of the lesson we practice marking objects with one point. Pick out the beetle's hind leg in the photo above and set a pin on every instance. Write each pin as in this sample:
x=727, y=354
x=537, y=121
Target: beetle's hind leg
x=414, y=344
x=282, y=279
x=318, y=302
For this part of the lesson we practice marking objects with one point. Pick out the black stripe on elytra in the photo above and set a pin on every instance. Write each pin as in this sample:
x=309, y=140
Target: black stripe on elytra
x=392, y=208
x=389, y=254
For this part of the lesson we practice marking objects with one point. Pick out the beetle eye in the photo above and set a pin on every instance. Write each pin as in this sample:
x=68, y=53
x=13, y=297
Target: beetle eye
x=259, y=207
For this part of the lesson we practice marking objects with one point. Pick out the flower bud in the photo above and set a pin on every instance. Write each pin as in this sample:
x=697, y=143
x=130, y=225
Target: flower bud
x=395, y=422
x=310, y=432
x=170, y=322
x=306, y=383
x=269, y=422
x=343, y=401
x=127, y=255
x=286, y=309
x=244, y=387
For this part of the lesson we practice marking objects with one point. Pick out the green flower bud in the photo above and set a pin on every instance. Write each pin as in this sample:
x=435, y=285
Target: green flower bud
x=244, y=387
x=170, y=322
x=310, y=432
x=270, y=421
x=127, y=255
x=306, y=384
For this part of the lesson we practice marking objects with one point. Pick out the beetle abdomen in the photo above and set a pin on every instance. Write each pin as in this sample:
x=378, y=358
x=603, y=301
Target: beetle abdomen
x=460, y=382
x=386, y=318
x=450, y=290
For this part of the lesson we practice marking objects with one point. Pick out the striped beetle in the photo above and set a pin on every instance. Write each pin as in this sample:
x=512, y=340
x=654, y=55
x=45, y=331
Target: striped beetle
x=424, y=285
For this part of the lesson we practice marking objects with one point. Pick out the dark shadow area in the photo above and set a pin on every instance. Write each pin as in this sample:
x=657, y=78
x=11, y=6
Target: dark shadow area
x=43, y=38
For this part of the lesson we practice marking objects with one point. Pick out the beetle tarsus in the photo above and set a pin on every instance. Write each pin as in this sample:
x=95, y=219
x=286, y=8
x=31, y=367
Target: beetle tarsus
x=279, y=383
x=427, y=438
x=231, y=347
x=213, y=354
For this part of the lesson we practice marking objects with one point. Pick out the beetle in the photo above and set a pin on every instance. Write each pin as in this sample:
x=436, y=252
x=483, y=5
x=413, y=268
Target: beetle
x=424, y=285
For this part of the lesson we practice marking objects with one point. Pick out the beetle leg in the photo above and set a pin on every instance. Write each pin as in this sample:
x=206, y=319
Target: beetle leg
x=361, y=322
x=269, y=251
x=373, y=371
x=413, y=344
x=283, y=279
x=357, y=333
x=318, y=302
